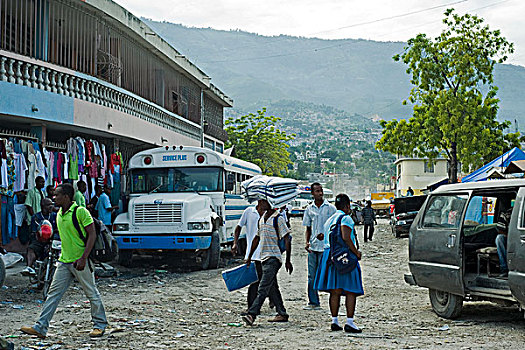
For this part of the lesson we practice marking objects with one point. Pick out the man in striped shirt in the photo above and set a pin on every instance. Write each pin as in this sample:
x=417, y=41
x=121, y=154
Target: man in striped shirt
x=272, y=227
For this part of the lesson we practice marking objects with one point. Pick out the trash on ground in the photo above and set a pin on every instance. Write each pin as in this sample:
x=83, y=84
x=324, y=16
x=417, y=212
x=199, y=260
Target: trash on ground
x=10, y=259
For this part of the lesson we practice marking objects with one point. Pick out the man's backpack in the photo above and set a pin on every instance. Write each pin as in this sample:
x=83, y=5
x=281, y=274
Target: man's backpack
x=105, y=248
x=281, y=241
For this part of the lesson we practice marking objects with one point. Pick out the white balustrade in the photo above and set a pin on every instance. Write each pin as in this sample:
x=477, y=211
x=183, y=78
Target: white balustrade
x=20, y=72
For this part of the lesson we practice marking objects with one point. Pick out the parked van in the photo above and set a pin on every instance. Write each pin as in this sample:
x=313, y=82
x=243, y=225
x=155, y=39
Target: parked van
x=452, y=249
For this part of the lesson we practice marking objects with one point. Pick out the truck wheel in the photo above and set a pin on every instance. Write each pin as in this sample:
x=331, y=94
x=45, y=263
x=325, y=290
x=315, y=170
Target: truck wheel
x=210, y=257
x=241, y=247
x=2, y=271
x=125, y=257
x=445, y=304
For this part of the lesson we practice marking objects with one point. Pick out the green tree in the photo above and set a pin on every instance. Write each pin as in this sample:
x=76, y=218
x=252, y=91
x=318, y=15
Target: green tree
x=256, y=139
x=454, y=96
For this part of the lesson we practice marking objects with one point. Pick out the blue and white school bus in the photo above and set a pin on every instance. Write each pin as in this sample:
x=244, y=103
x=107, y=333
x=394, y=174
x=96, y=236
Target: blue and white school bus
x=182, y=198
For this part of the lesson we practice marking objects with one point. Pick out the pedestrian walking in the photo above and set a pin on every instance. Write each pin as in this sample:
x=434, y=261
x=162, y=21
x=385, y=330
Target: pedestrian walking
x=315, y=216
x=272, y=227
x=249, y=220
x=369, y=219
x=331, y=280
x=73, y=263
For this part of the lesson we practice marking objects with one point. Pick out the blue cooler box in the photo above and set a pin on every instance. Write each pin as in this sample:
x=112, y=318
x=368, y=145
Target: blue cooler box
x=239, y=277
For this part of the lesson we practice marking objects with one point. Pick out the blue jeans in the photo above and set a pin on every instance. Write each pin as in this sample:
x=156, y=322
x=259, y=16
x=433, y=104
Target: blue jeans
x=314, y=260
x=8, y=219
x=501, y=244
x=268, y=287
x=64, y=274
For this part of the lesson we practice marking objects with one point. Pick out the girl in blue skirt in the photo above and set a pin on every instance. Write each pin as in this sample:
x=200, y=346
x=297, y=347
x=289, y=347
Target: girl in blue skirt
x=329, y=279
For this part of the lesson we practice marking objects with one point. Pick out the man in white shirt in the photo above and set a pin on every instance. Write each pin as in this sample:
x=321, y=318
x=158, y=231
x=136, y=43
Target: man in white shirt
x=314, y=218
x=249, y=220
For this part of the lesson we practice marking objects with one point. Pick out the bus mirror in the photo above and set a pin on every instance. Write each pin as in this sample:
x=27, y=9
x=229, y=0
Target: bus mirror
x=230, y=181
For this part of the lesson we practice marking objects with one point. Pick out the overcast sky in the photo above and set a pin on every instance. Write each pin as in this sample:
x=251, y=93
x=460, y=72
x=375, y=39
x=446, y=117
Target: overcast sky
x=381, y=20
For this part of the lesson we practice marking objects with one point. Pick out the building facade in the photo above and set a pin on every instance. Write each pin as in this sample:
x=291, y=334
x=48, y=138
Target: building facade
x=90, y=67
x=418, y=173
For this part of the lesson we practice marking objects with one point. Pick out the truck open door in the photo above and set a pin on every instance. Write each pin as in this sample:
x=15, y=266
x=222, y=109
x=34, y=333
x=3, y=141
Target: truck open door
x=516, y=249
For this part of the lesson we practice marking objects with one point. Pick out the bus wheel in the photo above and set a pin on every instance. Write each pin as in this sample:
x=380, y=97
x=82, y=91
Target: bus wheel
x=125, y=257
x=210, y=257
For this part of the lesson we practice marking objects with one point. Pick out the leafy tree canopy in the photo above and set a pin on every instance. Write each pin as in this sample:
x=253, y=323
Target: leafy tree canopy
x=454, y=96
x=256, y=139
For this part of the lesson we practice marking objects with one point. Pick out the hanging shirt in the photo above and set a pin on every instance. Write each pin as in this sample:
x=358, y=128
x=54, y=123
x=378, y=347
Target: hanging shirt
x=66, y=165
x=9, y=165
x=81, y=153
x=31, y=176
x=73, y=168
x=49, y=174
x=20, y=171
x=3, y=174
x=40, y=167
x=104, y=164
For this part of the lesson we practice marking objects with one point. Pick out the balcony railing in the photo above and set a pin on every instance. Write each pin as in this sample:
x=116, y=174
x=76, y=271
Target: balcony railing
x=18, y=71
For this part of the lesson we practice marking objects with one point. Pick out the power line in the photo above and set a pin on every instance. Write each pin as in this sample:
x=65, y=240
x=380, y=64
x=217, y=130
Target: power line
x=346, y=42
x=353, y=25
x=390, y=17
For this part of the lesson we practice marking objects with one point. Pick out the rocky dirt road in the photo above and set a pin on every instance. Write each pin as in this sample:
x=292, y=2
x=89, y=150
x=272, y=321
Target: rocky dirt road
x=152, y=306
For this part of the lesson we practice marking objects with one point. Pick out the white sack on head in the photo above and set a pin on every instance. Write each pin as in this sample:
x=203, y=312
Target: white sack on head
x=277, y=191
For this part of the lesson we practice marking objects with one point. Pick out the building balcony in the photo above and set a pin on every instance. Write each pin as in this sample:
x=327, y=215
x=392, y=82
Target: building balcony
x=42, y=91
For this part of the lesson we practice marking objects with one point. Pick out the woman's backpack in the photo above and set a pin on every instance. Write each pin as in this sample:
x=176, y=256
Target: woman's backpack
x=340, y=255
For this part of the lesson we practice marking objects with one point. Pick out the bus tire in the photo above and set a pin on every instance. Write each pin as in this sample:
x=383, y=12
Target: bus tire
x=211, y=256
x=444, y=304
x=125, y=257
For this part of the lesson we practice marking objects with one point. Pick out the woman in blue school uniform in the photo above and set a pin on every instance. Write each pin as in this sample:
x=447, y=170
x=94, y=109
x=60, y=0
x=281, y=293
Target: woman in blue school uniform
x=328, y=279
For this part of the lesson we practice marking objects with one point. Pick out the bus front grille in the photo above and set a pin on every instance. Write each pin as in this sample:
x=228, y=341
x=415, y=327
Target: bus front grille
x=158, y=213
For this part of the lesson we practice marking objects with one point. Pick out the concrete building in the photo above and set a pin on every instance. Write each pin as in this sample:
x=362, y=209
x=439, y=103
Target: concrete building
x=418, y=173
x=92, y=68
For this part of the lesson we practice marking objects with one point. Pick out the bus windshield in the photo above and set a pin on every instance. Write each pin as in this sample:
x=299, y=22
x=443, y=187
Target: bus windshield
x=305, y=195
x=164, y=180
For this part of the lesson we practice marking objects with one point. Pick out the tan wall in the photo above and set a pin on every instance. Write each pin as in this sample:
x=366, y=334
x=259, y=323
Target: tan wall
x=97, y=117
x=413, y=174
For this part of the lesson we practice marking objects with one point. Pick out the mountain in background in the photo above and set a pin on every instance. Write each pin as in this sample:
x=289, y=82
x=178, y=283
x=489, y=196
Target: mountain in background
x=358, y=76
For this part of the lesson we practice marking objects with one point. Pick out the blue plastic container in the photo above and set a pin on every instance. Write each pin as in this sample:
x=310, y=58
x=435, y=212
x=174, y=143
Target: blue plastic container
x=239, y=277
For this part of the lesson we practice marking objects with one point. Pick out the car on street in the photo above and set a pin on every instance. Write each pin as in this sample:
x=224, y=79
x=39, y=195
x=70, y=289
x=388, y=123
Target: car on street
x=452, y=249
x=405, y=210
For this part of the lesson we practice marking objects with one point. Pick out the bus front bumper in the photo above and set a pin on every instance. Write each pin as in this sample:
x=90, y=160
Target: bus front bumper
x=163, y=242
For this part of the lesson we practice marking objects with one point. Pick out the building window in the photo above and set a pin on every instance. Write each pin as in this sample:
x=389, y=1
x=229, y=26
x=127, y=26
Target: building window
x=429, y=167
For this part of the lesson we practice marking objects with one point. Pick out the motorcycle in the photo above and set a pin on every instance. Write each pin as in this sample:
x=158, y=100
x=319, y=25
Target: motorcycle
x=46, y=269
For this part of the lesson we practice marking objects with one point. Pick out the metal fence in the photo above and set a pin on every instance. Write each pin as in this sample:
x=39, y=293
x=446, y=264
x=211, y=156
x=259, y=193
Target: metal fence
x=70, y=34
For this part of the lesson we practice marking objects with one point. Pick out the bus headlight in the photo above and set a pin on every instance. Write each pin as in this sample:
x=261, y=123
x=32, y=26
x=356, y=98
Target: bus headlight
x=121, y=227
x=198, y=226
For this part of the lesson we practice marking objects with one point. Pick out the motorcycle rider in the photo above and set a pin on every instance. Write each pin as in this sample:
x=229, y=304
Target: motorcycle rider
x=37, y=248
